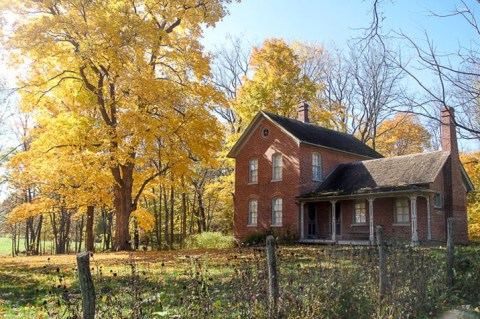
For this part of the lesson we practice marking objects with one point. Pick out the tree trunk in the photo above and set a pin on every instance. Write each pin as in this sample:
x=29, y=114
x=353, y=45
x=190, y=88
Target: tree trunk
x=172, y=204
x=89, y=239
x=38, y=234
x=136, y=235
x=122, y=192
x=80, y=240
x=184, y=218
x=202, y=225
x=165, y=204
x=158, y=220
x=27, y=236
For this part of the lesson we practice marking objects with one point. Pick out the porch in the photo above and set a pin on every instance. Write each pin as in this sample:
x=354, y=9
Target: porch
x=351, y=220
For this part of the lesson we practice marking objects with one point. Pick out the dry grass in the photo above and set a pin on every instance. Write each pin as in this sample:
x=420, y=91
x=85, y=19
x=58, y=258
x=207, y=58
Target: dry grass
x=315, y=282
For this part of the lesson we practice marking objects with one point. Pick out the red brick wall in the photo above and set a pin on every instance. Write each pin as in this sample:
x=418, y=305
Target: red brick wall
x=297, y=167
x=265, y=190
x=330, y=160
x=297, y=179
x=438, y=213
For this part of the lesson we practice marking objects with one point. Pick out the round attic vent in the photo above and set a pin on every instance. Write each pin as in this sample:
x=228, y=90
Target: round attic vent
x=265, y=132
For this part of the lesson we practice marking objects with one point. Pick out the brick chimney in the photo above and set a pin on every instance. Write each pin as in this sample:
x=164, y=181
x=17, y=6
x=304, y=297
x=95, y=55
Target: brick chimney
x=303, y=112
x=449, y=134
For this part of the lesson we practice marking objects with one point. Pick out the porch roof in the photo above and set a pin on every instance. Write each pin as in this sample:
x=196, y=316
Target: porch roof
x=401, y=174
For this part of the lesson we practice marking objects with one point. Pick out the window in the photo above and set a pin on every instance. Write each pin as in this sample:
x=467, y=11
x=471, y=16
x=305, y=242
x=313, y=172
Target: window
x=265, y=132
x=402, y=211
x=359, y=213
x=253, y=171
x=277, y=167
x=316, y=167
x=437, y=201
x=252, y=212
x=277, y=212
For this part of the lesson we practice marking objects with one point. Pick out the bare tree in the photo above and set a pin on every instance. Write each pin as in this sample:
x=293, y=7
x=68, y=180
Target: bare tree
x=230, y=66
x=453, y=77
x=364, y=87
x=377, y=89
x=338, y=91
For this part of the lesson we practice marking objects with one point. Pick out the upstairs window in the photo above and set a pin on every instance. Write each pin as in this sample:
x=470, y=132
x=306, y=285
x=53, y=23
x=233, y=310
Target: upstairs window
x=402, y=211
x=252, y=212
x=277, y=212
x=359, y=213
x=316, y=167
x=437, y=201
x=253, y=171
x=277, y=167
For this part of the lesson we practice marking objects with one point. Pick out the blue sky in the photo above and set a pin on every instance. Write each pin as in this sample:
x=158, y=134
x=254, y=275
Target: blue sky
x=335, y=23
x=338, y=21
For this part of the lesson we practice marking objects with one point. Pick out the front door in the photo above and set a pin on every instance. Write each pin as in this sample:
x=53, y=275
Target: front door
x=311, y=221
x=338, y=219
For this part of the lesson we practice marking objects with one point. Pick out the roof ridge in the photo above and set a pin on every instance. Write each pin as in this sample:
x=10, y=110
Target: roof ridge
x=301, y=122
x=321, y=136
x=404, y=156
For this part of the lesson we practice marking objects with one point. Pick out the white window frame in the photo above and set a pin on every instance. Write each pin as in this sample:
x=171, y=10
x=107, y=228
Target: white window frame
x=253, y=171
x=402, y=208
x=277, y=167
x=316, y=167
x=277, y=211
x=359, y=212
x=252, y=212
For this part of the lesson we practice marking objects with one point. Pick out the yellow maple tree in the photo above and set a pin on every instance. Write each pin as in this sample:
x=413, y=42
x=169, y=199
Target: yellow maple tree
x=277, y=84
x=134, y=70
x=471, y=163
x=402, y=135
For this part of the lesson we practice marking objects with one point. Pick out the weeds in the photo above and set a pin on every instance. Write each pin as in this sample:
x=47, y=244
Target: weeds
x=315, y=282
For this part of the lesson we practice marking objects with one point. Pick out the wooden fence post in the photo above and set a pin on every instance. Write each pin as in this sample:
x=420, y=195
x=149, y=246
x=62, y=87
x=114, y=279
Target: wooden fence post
x=272, y=277
x=86, y=285
x=382, y=266
x=450, y=251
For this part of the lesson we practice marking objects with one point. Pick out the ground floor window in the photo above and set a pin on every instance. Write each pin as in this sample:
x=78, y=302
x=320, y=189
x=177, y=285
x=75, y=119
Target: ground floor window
x=252, y=212
x=402, y=211
x=359, y=213
x=277, y=212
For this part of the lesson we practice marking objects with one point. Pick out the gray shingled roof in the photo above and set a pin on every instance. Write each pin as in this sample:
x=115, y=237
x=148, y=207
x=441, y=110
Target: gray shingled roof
x=395, y=173
x=321, y=136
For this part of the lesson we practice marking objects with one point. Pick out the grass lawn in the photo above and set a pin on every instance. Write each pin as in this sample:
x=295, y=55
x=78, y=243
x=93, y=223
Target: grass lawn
x=6, y=246
x=315, y=282
x=29, y=286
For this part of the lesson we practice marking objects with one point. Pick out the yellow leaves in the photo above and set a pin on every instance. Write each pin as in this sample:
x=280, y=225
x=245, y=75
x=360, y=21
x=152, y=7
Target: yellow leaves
x=38, y=206
x=277, y=84
x=112, y=85
x=145, y=219
x=401, y=136
x=471, y=163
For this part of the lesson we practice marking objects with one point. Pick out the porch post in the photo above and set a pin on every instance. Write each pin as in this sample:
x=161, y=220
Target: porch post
x=370, y=211
x=334, y=228
x=302, y=218
x=429, y=219
x=413, y=205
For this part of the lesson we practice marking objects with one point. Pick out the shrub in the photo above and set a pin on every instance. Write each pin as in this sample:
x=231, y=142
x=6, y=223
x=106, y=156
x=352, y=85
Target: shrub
x=284, y=237
x=255, y=238
x=207, y=240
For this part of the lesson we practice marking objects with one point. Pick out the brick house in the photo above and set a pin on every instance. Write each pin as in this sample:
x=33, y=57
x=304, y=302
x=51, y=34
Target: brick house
x=326, y=186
